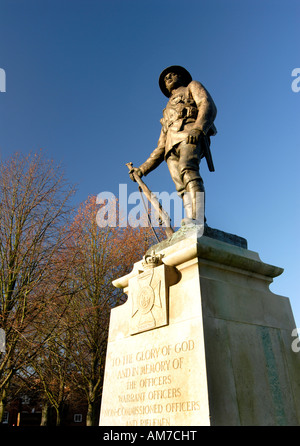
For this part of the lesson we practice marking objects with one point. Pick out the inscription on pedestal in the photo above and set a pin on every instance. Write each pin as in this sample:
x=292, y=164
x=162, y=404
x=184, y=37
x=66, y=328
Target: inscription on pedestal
x=155, y=371
x=150, y=385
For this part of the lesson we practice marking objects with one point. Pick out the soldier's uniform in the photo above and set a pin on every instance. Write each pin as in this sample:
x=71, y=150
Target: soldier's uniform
x=188, y=108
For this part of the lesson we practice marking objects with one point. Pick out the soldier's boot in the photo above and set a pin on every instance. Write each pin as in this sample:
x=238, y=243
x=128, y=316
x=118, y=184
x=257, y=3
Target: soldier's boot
x=188, y=208
x=194, y=203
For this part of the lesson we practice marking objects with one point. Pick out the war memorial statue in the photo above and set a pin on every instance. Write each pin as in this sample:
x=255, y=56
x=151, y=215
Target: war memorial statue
x=187, y=126
x=201, y=340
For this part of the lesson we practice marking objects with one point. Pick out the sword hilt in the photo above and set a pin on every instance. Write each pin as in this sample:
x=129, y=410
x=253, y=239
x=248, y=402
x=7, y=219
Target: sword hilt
x=133, y=173
x=129, y=165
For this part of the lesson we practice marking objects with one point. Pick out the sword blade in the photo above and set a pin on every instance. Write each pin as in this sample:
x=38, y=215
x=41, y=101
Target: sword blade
x=155, y=203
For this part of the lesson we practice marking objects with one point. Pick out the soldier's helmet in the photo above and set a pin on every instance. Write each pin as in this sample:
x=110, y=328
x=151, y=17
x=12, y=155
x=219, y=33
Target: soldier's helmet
x=184, y=74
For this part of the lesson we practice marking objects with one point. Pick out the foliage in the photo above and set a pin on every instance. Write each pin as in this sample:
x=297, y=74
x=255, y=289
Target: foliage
x=56, y=273
x=34, y=214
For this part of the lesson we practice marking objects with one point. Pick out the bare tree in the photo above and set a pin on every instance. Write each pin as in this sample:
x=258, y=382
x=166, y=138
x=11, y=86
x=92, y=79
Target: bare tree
x=34, y=197
x=102, y=255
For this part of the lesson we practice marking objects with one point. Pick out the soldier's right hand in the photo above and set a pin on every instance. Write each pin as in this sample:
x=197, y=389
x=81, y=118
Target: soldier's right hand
x=137, y=172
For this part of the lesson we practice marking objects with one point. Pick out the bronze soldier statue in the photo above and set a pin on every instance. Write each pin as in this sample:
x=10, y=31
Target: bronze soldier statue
x=187, y=125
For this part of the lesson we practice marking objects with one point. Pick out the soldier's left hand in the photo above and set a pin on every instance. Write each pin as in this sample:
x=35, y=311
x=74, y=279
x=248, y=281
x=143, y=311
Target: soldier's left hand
x=193, y=136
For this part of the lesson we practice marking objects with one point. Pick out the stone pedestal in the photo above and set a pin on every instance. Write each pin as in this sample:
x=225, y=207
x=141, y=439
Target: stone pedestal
x=201, y=340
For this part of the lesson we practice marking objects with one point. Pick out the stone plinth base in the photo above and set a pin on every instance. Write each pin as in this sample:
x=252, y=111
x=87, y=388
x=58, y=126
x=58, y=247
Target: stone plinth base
x=201, y=340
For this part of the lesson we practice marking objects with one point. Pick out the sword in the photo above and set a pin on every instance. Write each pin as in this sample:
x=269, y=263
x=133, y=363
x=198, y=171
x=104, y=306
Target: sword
x=154, y=201
x=207, y=155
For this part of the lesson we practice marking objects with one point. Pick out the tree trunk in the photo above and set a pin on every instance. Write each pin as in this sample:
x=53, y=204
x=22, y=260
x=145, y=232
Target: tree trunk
x=58, y=417
x=89, y=415
x=45, y=413
x=2, y=403
x=92, y=416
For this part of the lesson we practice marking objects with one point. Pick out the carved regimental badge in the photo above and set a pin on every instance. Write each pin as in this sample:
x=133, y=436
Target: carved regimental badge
x=148, y=293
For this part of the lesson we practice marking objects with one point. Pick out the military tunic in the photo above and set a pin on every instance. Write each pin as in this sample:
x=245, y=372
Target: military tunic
x=188, y=108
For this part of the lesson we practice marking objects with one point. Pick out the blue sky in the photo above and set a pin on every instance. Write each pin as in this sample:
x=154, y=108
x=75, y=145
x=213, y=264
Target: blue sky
x=82, y=83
